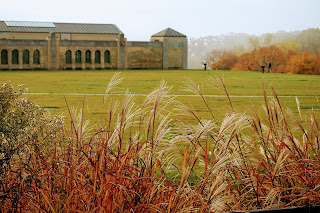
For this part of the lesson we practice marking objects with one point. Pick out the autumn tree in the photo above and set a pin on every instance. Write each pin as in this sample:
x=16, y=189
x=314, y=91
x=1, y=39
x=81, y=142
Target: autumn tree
x=304, y=63
x=310, y=40
x=289, y=45
x=214, y=56
x=239, y=50
x=245, y=62
x=267, y=39
x=282, y=56
x=271, y=57
x=226, y=62
x=253, y=42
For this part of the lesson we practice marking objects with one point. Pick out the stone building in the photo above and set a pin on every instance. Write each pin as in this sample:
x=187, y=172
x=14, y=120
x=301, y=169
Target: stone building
x=70, y=46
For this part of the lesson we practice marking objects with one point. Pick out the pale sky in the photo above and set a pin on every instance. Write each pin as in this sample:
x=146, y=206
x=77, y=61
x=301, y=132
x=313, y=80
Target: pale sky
x=139, y=19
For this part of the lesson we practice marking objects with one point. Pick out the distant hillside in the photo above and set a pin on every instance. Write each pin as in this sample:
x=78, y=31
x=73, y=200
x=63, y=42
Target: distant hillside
x=200, y=47
x=239, y=43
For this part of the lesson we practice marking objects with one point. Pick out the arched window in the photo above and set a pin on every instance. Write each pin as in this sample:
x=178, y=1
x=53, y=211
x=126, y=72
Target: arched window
x=88, y=57
x=97, y=57
x=36, y=57
x=78, y=57
x=25, y=57
x=15, y=57
x=4, y=57
x=68, y=57
x=107, y=57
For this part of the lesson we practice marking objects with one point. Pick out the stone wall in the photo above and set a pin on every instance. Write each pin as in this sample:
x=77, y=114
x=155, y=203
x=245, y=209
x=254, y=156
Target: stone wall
x=21, y=45
x=53, y=50
x=175, y=53
x=144, y=55
x=93, y=37
x=92, y=46
x=24, y=36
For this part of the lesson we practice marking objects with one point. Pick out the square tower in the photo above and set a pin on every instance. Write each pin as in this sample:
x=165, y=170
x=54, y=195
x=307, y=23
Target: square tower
x=175, y=49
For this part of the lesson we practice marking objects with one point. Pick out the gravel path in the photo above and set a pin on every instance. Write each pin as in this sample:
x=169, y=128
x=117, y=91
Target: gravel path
x=172, y=95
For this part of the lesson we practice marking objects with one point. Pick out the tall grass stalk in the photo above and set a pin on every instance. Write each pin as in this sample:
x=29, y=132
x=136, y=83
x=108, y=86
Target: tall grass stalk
x=145, y=159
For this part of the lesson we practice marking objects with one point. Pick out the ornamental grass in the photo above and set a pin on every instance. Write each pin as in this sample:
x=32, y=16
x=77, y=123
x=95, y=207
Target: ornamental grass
x=145, y=158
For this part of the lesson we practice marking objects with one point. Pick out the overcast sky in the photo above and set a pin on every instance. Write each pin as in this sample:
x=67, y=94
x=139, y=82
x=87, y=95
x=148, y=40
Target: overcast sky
x=139, y=19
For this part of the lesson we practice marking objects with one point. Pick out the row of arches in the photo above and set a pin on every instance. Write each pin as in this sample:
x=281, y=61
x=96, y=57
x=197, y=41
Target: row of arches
x=15, y=57
x=87, y=58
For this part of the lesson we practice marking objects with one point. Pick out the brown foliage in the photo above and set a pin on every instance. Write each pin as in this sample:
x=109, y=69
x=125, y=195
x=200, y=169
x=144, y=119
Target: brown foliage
x=226, y=61
x=304, y=63
x=246, y=62
x=273, y=59
x=214, y=56
x=270, y=55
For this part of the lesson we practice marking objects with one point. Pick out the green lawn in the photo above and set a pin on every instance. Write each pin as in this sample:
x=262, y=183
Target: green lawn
x=143, y=82
x=238, y=83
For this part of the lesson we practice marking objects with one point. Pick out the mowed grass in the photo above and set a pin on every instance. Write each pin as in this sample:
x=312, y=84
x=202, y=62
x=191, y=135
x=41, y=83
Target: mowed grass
x=85, y=89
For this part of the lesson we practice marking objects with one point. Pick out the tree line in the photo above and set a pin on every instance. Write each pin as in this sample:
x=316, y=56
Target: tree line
x=198, y=48
x=299, y=55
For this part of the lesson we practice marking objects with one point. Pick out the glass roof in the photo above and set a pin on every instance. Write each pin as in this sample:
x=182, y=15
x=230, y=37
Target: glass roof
x=28, y=24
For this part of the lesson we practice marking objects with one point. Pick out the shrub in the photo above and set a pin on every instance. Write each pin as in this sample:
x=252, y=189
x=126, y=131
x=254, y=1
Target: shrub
x=226, y=61
x=23, y=125
x=246, y=62
x=304, y=63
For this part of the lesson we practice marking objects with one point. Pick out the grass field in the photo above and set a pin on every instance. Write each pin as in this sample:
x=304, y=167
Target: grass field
x=85, y=89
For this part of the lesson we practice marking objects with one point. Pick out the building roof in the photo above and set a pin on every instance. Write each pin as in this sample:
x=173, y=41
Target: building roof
x=168, y=33
x=46, y=27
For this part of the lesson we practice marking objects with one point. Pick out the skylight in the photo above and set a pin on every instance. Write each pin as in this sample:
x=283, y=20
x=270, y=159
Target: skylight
x=28, y=24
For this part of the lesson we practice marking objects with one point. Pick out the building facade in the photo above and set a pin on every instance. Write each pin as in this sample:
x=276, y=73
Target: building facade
x=69, y=46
